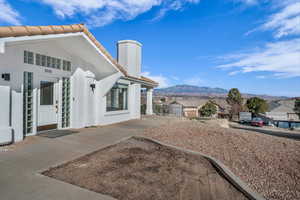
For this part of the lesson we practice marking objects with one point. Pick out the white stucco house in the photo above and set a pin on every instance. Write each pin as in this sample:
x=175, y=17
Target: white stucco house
x=61, y=77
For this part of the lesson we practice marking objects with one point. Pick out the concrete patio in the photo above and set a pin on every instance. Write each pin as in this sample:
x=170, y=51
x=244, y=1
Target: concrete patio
x=20, y=165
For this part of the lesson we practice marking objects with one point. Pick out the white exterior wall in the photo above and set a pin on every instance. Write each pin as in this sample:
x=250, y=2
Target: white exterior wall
x=133, y=111
x=88, y=107
x=277, y=115
x=135, y=100
x=17, y=115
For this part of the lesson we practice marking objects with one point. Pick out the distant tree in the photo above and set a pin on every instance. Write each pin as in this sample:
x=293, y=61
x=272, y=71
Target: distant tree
x=297, y=106
x=208, y=110
x=257, y=105
x=163, y=99
x=234, y=97
x=235, y=100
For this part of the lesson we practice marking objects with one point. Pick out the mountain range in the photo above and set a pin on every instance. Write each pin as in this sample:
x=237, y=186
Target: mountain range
x=191, y=90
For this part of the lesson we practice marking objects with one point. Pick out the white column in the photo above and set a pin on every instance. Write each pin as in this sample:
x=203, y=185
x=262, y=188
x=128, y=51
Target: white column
x=149, y=106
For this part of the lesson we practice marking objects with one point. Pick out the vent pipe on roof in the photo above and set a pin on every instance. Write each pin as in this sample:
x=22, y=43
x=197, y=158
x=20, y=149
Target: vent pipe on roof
x=130, y=56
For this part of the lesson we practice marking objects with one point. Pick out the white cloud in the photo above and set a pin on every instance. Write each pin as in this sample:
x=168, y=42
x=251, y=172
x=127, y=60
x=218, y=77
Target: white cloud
x=193, y=81
x=248, y=2
x=261, y=77
x=173, y=5
x=162, y=80
x=102, y=12
x=8, y=14
x=286, y=21
x=281, y=58
x=232, y=73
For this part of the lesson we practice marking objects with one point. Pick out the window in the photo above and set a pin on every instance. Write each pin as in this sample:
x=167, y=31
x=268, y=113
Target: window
x=43, y=60
x=53, y=62
x=38, y=59
x=283, y=125
x=48, y=61
x=58, y=63
x=28, y=57
x=66, y=65
x=295, y=125
x=117, y=98
x=46, y=94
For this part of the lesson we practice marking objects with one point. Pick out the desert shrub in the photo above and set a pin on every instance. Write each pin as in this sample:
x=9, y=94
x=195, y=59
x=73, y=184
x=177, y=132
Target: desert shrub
x=208, y=110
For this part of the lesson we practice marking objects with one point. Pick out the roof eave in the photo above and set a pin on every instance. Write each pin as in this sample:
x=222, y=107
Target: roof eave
x=138, y=80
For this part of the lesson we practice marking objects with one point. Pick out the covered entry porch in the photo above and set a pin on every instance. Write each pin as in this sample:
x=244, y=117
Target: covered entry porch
x=147, y=88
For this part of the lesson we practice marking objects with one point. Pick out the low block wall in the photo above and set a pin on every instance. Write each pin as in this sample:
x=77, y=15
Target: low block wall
x=11, y=116
x=5, y=128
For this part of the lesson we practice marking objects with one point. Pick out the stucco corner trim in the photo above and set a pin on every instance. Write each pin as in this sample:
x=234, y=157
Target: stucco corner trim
x=2, y=47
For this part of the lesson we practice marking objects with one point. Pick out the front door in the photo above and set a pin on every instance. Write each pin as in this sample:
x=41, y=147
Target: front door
x=48, y=105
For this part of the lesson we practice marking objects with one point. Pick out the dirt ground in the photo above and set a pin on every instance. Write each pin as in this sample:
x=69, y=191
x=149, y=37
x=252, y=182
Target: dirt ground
x=138, y=169
x=269, y=165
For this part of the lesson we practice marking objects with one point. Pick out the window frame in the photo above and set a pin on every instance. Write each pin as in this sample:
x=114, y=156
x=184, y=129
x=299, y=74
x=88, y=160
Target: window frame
x=67, y=65
x=48, y=61
x=118, y=89
x=28, y=57
x=38, y=59
x=43, y=60
x=53, y=62
x=44, y=101
x=58, y=63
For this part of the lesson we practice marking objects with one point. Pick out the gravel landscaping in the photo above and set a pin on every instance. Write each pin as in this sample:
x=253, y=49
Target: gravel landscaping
x=269, y=165
x=138, y=169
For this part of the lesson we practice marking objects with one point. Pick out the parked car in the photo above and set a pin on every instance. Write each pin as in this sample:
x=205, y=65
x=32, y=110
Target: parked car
x=257, y=122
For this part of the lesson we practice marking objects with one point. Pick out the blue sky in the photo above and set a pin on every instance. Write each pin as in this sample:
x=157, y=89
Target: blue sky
x=253, y=45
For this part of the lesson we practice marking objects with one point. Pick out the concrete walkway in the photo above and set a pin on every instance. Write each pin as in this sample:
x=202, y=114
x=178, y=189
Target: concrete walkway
x=20, y=165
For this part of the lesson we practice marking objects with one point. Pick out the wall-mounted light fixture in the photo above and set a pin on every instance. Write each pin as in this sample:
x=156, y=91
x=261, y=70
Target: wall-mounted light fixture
x=6, y=76
x=93, y=86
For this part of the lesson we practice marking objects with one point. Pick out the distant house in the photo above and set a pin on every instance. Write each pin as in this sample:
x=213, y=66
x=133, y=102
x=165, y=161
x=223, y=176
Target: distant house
x=185, y=108
x=191, y=111
x=282, y=110
x=189, y=107
x=176, y=109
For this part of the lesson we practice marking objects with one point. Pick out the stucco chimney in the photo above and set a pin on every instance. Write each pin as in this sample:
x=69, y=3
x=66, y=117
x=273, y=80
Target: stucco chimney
x=130, y=56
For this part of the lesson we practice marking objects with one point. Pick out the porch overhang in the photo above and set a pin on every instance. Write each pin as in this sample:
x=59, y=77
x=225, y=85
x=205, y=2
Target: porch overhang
x=144, y=83
x=76, y=44
x=66, y=36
